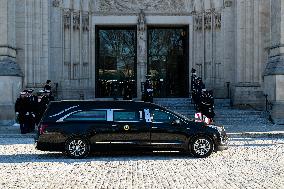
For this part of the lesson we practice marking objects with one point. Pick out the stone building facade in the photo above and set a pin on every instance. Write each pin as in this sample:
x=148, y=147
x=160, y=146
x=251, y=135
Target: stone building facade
x=89, y=47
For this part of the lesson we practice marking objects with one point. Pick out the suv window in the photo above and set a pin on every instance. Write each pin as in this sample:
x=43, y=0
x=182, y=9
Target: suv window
x=161, y=116
x=125, y=116
x=94, y=115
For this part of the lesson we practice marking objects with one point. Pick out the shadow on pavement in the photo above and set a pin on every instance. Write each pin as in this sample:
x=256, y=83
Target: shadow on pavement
x=103, y=157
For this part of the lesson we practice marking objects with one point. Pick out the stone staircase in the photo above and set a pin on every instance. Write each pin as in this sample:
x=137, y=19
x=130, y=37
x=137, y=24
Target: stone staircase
x=243, y=119
x=180, y=105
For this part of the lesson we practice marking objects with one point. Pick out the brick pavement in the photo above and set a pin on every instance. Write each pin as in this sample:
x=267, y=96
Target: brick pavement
x=248, y=163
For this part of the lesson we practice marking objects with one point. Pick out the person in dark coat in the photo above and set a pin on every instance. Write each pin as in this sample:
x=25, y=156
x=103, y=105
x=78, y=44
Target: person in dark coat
x=47, y=86
x=197, y=93
x=32, y=101
x=127, y=90
x=207, y=105
x=45, y=98
x=20, y=109
x=193, y=87
x=148, y=90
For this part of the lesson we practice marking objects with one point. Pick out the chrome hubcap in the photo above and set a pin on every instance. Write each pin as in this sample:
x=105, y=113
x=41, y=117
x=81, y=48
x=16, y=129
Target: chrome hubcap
x=77, y=147
x=201, y=146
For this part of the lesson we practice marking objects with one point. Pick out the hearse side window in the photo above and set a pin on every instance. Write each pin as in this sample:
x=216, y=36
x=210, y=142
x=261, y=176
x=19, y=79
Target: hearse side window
x=93, y=115
x=125, y=116
x=161, y=116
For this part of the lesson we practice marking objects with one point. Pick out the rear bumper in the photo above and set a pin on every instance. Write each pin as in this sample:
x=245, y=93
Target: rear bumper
x=44, y=146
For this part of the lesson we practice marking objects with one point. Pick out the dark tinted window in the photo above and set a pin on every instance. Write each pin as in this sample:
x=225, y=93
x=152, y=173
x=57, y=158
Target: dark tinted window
x=125, y=116
x=94, y=115
x=116, y=61
x=161, y=116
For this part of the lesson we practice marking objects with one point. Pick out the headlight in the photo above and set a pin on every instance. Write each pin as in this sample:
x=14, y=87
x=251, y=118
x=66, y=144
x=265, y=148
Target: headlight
x=218, y=128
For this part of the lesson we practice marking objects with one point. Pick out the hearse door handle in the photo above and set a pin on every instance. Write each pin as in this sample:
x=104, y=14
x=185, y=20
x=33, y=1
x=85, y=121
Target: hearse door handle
x=114, y=125
x=154, y=127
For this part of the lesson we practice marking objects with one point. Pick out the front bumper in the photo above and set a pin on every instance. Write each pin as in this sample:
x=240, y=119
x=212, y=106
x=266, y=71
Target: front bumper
x=223, y=145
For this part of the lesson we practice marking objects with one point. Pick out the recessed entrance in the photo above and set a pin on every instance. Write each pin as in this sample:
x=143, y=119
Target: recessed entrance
x=167, y=60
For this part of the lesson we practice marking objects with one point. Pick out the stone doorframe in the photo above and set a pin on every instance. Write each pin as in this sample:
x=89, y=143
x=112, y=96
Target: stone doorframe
x=114, y=20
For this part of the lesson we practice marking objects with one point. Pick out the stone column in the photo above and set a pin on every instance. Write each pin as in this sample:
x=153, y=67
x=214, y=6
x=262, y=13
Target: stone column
x=10, y=72
x=247, y=87
x=141, y=52
x=274, y=71
x=228, y=54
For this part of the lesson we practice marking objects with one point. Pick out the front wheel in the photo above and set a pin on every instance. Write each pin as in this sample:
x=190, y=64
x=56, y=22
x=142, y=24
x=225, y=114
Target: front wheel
x=77, y=148
x=201, y=146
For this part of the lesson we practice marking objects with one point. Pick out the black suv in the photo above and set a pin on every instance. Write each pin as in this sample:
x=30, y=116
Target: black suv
x=78, y=127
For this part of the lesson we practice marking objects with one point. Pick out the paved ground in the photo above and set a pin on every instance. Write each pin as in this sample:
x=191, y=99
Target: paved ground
x=248, y=163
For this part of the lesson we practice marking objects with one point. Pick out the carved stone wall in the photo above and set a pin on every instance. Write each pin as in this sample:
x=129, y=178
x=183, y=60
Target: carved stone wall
x=76, y=74
x=149, y=6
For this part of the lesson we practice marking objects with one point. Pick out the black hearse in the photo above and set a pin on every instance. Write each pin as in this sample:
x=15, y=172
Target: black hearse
x=79, y=127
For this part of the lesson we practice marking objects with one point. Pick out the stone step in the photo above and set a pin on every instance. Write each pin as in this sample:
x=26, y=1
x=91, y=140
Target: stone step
x=222, y=102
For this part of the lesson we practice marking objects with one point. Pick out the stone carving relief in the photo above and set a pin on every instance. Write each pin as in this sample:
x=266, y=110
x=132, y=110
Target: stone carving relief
x=141, y=21
x=228, y=3
x=172, y=6
x=76, y=20
x=67, y=18
x=207, y=21
x=218, y=21
x=85, y=22
x=198, y=22
x=56, y=3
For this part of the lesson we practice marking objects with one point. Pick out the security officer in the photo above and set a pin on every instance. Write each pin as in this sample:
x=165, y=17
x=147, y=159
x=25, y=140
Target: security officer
x=42, y=105
x=148, y=89
x=32, y=109
x=115, y=89
x=193, y=78
x=211, y=105
x=207, y=104
x=47, y=85
x=198, y=92
x=20, y=109
x=194, y=87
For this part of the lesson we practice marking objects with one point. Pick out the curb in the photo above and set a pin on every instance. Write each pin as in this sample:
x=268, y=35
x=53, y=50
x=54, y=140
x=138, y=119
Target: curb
x=17, y=135
x=279, y=134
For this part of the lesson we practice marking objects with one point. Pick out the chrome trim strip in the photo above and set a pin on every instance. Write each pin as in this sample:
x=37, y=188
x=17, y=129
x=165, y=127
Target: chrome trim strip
x=102, y=142
x=122, y=142
x=64, y=111
x=162, y=143
x=167, y=151
x=62, y=118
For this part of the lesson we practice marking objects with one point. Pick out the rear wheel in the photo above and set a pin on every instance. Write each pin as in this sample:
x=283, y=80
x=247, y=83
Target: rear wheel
x=201, y=146
x=77, y=148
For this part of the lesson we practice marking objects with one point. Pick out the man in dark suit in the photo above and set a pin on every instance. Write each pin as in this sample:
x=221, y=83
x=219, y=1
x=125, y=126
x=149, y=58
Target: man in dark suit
x=21, y=111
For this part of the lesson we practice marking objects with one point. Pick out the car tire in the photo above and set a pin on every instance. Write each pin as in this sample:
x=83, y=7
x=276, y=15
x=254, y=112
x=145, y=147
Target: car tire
x=77, y=148
x=201, y=146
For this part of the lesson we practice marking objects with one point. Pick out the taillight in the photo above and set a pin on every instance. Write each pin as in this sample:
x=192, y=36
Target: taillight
x=42, y=128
